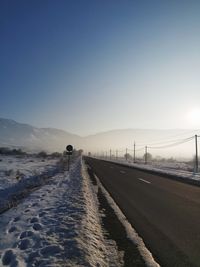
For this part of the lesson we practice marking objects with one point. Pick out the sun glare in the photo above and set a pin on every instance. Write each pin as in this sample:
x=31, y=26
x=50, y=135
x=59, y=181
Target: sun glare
x=193, y=117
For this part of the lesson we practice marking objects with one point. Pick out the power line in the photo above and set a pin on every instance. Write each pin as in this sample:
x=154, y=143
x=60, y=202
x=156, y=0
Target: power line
x=168, y=139
x=171, y=141
x=167, y=144
x=173, y=144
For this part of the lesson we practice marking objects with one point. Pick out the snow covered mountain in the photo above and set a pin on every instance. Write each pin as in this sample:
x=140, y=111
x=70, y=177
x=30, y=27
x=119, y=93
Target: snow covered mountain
x=14, y=134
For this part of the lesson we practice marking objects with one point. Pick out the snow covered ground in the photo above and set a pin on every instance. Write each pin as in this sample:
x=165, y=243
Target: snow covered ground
x=55, y=219
x=18, y=175
x=13, y=168
x=57, y=225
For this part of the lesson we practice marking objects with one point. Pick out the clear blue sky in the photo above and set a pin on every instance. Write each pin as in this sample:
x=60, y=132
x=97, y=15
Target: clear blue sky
x=90, y=66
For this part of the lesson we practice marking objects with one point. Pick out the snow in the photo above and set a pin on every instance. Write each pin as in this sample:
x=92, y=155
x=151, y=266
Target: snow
x=21, y=174
x=11, y=166
x=55, y=220
x=98, y=246
x=56, y=225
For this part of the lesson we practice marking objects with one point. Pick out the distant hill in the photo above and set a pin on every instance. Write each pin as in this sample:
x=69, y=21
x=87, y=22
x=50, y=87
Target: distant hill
x=125, y=138
x=14, y=134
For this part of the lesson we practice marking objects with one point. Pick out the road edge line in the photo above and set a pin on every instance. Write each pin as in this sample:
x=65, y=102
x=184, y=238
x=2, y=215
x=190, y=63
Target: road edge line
x=131, y=232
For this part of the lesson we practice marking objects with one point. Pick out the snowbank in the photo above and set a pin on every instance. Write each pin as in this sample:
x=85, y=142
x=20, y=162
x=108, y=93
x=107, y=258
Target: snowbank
x=56, y=225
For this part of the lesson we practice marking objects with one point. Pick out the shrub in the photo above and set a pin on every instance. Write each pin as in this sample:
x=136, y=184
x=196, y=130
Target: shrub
x=42, y=154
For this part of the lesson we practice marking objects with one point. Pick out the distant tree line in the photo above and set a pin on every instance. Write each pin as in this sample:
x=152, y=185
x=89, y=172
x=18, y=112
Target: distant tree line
x=9, y=151
x=150, y=157
x=41, y=154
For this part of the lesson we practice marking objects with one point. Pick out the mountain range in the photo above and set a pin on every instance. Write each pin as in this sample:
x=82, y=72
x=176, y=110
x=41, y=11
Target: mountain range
x=29, y=138
x=14, y=134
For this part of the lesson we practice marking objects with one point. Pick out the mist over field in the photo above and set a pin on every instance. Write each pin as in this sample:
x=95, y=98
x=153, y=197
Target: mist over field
x=164, y=143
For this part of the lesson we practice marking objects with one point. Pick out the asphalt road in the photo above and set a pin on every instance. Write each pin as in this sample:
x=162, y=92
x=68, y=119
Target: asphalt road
x=164, y=212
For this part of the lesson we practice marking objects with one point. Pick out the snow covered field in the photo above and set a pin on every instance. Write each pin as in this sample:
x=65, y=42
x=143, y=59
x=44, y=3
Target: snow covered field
x=57, y=225
x=18, y=175
x=13, y=168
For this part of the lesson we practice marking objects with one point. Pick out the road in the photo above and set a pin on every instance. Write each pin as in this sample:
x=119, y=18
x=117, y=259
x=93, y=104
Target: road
x=164, y=212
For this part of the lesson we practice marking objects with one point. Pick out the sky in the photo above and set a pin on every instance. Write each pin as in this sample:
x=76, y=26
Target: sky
x=91, y=66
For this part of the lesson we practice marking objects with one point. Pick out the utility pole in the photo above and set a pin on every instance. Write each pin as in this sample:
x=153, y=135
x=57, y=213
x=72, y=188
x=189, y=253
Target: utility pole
x=145, y=155
x=134, y=153
x=110, y=154
x=116, y=154
x=126, y=153
x=196, y=156
x=106, y=155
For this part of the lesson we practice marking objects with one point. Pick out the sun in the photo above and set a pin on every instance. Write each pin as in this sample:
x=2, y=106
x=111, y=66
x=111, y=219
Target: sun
x=193, y=117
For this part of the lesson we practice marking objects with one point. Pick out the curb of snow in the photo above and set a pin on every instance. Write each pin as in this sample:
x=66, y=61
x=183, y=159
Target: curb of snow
x=99, y=252
x=131, y=233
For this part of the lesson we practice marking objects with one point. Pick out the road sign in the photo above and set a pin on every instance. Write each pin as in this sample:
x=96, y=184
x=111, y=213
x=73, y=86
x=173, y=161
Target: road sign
x=69, y=148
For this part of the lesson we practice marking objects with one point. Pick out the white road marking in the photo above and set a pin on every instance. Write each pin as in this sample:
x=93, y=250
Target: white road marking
x=145, y=181
x=122, y=171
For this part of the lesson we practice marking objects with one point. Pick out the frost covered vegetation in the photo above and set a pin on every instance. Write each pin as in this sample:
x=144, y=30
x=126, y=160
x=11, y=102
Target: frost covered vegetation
x=21, y=174
x=55, y=219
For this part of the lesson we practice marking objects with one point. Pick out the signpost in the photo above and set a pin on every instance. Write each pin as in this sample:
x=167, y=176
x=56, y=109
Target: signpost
x=69, y=149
